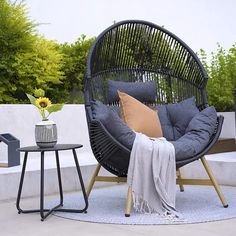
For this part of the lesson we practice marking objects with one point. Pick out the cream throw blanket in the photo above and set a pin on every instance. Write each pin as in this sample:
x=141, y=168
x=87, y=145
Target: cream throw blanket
x=152, y=175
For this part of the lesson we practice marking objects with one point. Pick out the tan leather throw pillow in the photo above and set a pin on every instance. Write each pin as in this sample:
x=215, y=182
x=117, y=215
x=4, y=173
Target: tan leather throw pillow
x=139, y=117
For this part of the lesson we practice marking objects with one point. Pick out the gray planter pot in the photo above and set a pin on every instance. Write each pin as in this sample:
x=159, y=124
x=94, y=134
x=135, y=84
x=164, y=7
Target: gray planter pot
x=46, y=134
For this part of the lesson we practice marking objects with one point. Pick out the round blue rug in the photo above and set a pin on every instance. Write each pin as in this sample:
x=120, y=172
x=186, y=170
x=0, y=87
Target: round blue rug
x=107, y=205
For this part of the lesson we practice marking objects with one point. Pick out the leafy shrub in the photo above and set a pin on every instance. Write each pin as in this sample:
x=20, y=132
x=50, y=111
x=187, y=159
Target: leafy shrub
x=75, y=56
x=222, y=77
x=27, y=61
x=39, y=68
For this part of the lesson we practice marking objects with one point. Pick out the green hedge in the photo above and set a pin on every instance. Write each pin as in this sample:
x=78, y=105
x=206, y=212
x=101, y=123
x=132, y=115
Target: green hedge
x=75, y=56
x=222, y=77
x=29, y=62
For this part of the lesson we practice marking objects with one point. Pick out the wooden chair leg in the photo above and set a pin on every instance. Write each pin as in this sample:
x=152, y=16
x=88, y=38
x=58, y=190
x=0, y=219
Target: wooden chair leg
x=214, y=181
x=128, y=202
x=181, y=186
x=92, y=181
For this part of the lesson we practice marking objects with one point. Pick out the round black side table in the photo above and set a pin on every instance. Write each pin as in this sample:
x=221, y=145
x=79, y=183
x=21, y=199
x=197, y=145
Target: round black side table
x=59, y=147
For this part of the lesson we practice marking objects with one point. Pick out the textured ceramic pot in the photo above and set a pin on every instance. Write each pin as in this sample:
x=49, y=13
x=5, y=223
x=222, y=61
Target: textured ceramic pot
x=46, y=134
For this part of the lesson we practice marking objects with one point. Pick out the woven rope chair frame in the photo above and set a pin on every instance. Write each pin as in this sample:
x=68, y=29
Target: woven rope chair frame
x=139, y=51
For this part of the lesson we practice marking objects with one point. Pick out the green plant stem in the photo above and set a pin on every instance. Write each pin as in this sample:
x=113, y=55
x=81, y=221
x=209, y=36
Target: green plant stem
x=46, y=117
x=43, y=115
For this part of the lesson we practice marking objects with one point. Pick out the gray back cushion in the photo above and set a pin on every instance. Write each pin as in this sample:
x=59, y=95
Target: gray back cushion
x=175, y=118
x=197, y=135
x=166, y=125
x=113, y=123
x=142, y=91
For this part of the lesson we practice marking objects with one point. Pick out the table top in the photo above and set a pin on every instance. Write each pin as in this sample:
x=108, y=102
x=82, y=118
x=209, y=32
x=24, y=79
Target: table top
x=57, y=147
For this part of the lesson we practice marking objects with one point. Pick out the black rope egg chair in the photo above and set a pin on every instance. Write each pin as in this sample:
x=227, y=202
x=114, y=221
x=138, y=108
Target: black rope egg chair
x=140, y=51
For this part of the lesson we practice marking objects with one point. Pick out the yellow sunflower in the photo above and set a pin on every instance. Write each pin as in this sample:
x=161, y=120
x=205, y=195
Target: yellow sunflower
x=42, y=103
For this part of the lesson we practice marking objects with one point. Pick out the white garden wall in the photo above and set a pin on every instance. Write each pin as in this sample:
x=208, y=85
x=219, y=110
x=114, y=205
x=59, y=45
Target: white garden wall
x=229, y=129
x=20, y=121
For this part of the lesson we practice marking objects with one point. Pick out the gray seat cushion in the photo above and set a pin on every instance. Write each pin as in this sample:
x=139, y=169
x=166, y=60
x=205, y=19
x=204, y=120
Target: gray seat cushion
x=142, y=91
x=194, y=139
x=197, y=134
x=109, y=117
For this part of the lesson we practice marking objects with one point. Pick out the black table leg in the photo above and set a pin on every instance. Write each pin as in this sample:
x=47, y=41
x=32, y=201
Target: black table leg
x=42, y=187
x=42, y=210
x=82, y=187
x=20, y=189
x=21, y=183
x=59, y=177
x=81, y=180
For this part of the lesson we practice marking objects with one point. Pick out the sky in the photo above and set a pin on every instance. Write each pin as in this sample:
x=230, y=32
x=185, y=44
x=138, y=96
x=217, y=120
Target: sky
x=199, y=23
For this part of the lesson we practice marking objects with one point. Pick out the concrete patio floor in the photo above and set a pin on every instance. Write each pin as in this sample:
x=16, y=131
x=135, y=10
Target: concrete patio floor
x=11, y=223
